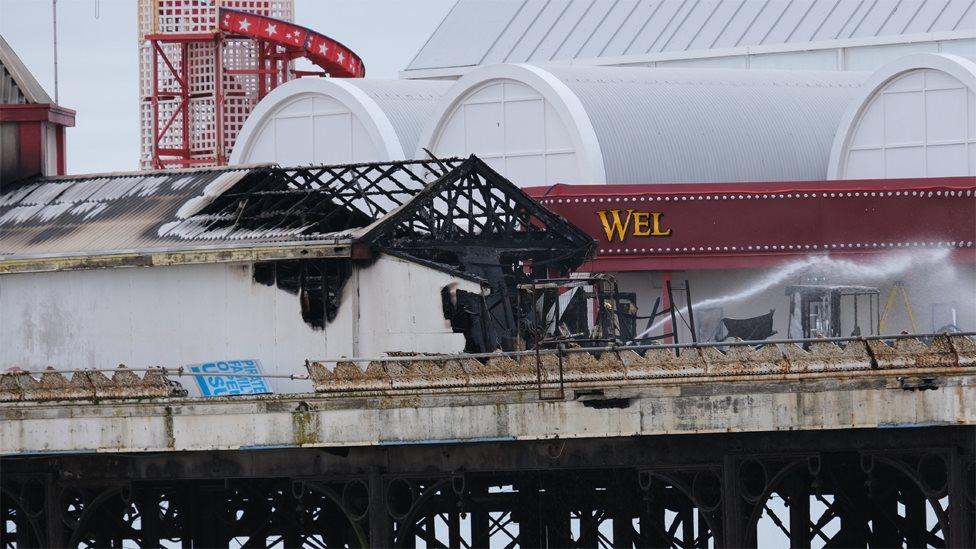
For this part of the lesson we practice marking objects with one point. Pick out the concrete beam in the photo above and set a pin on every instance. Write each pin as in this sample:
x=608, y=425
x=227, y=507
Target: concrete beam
x=782, y=402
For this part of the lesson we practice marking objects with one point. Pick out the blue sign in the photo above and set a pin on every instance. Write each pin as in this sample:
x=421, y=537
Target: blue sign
x=227, y=385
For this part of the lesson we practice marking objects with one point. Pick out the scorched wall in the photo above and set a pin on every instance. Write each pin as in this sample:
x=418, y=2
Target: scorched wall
x=183, y=315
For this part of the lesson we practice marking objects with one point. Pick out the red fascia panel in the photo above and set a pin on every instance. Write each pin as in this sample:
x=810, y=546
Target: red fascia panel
x=31, y=141
x=61, y=160
x=331, y=55
x=649, y=189
x=756, y=225
x=637, y=263
x=37, y=112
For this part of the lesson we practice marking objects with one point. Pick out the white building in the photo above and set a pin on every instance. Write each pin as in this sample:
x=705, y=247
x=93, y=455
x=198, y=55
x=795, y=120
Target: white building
x=337, y=121
x=648, y=93
x=684, y=109
x=263, y=265
x=847, y=35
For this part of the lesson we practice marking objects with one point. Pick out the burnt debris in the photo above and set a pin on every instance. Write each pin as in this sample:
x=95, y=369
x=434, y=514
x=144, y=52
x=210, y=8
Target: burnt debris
x=451, y=214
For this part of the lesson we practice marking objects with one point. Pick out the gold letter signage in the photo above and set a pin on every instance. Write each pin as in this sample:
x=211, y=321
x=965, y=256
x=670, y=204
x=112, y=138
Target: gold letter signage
x=642, y=224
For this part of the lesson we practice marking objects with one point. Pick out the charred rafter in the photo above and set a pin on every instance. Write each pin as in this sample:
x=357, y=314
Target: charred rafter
x=412, y=207
x=457, y=214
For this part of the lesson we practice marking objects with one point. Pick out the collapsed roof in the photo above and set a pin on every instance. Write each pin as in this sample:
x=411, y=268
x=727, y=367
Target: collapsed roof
x=434, y=210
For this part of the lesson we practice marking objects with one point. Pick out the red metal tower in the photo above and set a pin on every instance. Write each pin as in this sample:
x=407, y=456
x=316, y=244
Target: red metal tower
x=205, y=64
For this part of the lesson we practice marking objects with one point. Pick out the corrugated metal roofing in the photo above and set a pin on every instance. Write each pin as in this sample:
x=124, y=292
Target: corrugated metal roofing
x=17, y=84
x=100, y=213
x=479, y=32
x=407, y=103
x=260, y=212
x=699, y=125
x=205, y=209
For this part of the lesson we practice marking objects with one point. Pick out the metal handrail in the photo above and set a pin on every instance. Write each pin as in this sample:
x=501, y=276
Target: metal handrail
x=533, y=352
x=181, y=371
x=178, y=372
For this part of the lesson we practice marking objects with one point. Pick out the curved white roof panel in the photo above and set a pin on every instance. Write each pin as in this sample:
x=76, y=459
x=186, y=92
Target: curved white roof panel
x=915, y=117
x=481, y=32
x=335, y=120
x=574, y=124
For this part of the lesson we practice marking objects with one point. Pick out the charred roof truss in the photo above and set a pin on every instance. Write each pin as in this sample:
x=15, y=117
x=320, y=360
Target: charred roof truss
x=437, y=210
x=447, y=211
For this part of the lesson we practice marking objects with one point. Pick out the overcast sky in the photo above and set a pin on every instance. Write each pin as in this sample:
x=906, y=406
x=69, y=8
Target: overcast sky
x=99, y=69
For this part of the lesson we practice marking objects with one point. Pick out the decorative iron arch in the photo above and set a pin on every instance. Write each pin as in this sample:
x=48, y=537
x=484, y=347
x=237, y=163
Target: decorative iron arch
x=775, y=483
x=14, y=499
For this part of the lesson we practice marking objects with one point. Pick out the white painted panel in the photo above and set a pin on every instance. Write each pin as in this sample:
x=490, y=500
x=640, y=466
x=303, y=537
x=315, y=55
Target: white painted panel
x=263, y=148
x=516, y=90
x=904, y=162
x=483, y=128
x=653, y=27
x=525, y=125
x=865, y=164
x=936, y=80
x=964, y=47
x=813, y=21
x=609, y=28
x=946, y=160
x=871, y=128
x=814, y=60
x=764, y=20
x=512, y=128
x=328, y=105
x=293, y=147
x=834, y=25
x=903, y=118
x=363, y=147
x=514, y=31
x=958, y=12
x=869, y=58
x=691, y=25
x=537, y=32
x=913, y=81
x=926, y=17
x=737, y=62
x=452, y=138
x=731, y=35
x=333, y=143
x=469, y=31
x=931, y=112
x=945, y=115
x=490, y=93
x=400, y=308
x=497, y=163
x=972, y=116
x=566, y=32
x=527, y=171
x=50, y=166
x=173, y=316
x=792, y=16
x=872, y=21
x=557, y=138
x=718, y=21
x=299, y=107
x=562, y=168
